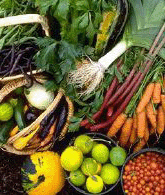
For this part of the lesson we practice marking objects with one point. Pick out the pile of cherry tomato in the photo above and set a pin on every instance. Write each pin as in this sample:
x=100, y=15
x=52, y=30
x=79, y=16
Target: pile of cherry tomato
x=145, y=174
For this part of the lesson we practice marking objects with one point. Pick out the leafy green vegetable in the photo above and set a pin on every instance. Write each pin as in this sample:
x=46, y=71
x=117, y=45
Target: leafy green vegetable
x=56, y=57
x=145, y=21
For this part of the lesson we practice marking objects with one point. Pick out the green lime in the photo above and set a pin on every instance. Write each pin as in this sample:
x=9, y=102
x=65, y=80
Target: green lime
x=84, y=142
x=100, y=153
x=89, y=166
x=71, y=158
x=109, y=173
x=94, y=184
x=77, y=177
x=6, y=111
x=117, y=156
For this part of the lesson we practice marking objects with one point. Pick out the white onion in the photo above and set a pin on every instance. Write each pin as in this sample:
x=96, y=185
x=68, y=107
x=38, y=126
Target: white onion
x=38, y=96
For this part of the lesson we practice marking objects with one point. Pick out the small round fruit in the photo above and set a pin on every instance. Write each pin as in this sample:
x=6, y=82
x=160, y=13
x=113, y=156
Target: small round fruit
x=109, y=173
x=77, y=177
x=94, y=184
x=89, y=166
x=117, y=156
x=84, y=142
x=71, y=158
x=6, y=111
x=100, y=153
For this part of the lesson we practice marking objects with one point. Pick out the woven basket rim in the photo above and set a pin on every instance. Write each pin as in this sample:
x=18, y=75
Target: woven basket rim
x=24, y=19
x=8, y=146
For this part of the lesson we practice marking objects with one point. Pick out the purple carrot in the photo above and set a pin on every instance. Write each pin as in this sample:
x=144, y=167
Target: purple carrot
x=124, y=85
x=107, y=96
x=128, y=89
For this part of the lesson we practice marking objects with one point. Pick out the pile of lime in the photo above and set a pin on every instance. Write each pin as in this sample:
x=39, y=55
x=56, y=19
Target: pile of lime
x=91, y=164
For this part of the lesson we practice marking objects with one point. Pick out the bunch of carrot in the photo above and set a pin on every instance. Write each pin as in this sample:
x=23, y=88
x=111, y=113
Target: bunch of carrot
x=119, y=95
x=149, y=118
x=113, y=116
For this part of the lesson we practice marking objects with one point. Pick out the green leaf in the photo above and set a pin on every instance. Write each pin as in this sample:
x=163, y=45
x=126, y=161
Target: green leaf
x=50, y=85
x=83, y=21
x=66, y=65
x=98, y=19
x=62, y=9
x=90, y=31
x=68, y=51
x=119, y=75
x=46, y=55
x=154, y=14
x=75, y=124
x=139, y=13
x=148, y=13
x=82, y=5
x=141, y=29
x=44, y=6
x=6, y=4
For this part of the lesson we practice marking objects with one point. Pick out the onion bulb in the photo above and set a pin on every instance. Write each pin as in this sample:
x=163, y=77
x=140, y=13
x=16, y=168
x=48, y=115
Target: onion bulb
x=38, y=96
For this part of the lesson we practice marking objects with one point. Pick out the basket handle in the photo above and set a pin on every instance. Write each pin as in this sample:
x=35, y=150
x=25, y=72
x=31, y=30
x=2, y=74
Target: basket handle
x=24, y=19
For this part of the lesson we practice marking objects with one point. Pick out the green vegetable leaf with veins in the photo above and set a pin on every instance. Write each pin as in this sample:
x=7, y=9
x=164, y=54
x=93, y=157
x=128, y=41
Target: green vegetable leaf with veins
x=146, y=19
x=44, y=5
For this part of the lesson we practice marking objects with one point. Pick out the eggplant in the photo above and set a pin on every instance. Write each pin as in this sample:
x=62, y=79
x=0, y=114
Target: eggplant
x=45, y=120
x=44, y=131
x=61, y=121
x=48, y=119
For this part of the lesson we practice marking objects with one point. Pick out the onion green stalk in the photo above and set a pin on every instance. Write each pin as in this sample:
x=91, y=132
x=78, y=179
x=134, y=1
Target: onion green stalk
x=145, y=21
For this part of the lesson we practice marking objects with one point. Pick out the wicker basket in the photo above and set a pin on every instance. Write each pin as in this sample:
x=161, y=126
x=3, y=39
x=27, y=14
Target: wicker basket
x=24, y=19
x=12, y=85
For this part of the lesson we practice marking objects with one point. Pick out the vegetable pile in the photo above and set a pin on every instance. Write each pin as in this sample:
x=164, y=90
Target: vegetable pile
x=19, y=33
x=131, y=116
x=18, y=59
x=102, y=64
x=147, y=173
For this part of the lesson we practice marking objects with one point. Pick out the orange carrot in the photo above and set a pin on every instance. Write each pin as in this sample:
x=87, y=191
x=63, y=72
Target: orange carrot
x=163, y=102
x=50, y=135
x=133, y=135
x=156, y=93
x=146, y=133
x=152, y=130
x=141, y=124
x=151, y=114
x=164, y=82
x=160, y=121
x=126, y=132
x=146, y=97
x=117, y=124
x=139, y=145
x=142, y=142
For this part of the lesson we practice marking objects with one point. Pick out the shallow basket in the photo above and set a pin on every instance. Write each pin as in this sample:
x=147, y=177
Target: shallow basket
x=11, y=86
x=24, y=19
